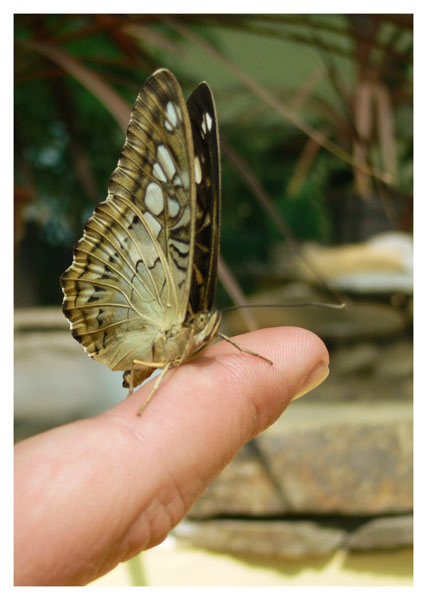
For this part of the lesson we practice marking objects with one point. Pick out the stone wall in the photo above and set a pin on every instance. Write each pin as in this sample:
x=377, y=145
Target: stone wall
x=335, y=472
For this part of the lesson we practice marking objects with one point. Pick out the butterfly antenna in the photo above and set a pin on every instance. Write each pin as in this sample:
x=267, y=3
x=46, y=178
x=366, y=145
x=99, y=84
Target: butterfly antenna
x=292, y=305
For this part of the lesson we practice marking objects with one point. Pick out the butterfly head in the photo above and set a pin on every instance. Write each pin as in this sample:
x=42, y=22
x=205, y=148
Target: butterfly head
x=204, y=325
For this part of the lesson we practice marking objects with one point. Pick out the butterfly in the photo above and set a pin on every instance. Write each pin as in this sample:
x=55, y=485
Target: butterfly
x=139, y=293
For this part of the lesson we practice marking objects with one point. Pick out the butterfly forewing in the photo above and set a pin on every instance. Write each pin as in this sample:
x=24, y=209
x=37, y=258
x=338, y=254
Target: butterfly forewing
x=201, y=109
x=131, y=273
x=155, y=173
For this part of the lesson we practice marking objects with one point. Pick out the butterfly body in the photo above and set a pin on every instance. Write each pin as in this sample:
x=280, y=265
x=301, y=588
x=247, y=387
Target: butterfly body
x=180, y=343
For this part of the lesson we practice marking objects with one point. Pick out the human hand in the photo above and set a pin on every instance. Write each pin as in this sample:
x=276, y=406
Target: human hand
x=93, y=493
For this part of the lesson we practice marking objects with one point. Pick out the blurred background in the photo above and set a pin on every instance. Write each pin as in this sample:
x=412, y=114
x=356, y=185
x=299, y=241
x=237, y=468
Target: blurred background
x=315, y=116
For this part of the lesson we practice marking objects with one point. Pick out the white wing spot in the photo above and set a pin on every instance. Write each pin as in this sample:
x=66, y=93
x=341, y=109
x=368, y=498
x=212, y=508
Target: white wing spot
x=152, y=223
x=185, y=218
x=182, y=247
x=166, y=161
x=185, y=179
x=154, y=198
x=158, y=172
x=173, y=207
x=172, y=114
x=197, y=170
x=209, y=121
x=204, y=125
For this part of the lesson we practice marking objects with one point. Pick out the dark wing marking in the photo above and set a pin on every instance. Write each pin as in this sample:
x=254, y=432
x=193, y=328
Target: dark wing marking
x=201, y=109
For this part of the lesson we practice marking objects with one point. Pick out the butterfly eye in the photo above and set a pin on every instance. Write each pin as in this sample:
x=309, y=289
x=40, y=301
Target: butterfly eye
x=200, y=321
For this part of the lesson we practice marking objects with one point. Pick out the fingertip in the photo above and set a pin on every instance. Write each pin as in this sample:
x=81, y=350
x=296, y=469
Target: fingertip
x=229, y=393
x=206, y=409
x=300, y=363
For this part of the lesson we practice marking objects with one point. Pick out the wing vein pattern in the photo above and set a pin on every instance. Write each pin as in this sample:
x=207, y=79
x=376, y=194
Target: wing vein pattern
x=132, y=269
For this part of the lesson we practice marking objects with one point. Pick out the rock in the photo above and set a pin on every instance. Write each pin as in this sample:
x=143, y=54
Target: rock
x=355, y=358
x=374, y=283
x=281, y=539
x=243, y=487
x=353, y=458
x=383, y=534
x=356, y=468
x=366, y=388
x=387, y=361
x=382, y=264
x=55, y=380
x=396, y=360
x=40, y=319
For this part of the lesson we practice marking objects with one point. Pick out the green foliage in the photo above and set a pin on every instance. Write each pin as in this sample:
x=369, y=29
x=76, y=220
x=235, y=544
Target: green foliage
x=67, y=143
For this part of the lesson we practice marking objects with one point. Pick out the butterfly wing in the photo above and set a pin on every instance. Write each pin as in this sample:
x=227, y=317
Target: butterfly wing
x=201, y=109
x=131, y=273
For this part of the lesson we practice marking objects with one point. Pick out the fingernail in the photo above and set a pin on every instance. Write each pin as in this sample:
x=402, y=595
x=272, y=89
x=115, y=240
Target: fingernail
x=315, y=378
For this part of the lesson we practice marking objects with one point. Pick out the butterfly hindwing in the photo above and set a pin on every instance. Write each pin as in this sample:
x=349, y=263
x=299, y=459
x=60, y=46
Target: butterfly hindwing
x=201, y=109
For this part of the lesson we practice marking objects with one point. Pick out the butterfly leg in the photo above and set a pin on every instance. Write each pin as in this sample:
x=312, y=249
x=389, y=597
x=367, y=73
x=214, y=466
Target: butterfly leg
x=137, y=364
x=239, y=347
x=155, y=387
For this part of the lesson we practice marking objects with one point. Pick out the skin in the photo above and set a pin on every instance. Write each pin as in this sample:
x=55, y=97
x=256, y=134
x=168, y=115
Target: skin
x=91, y=494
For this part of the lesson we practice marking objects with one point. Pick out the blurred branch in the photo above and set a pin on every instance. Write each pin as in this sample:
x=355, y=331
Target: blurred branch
x=372, y=98
x=341, y=94
x=306, y=90
x=283, y=110
x=386, y=134
x=312, y=147
x=113, y=102
x=363, y=122
x=80, y=159
x=120, y=111
x=89, y=25
x=256, y=187
x=149, y=35
x=235, y=292
x=388, y=63
x=268, y=25
x=302, y=167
